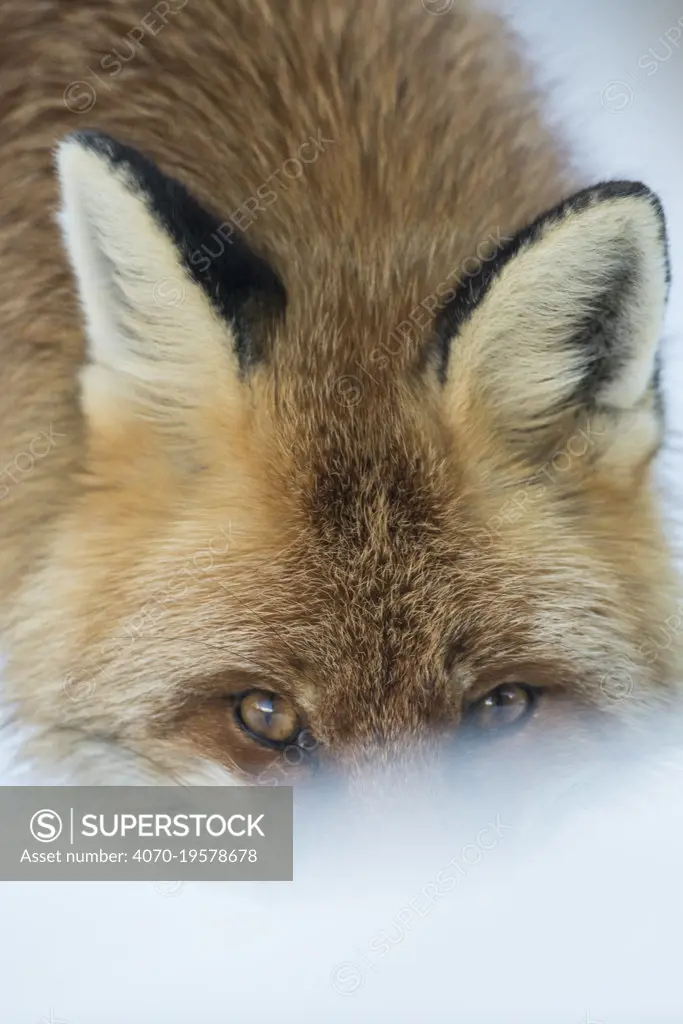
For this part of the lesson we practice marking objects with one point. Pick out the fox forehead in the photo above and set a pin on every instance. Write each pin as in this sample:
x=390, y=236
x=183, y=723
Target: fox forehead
x=354, y=560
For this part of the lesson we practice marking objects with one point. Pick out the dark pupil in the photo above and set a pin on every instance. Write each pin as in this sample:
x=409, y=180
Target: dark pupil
x=266, y=708
x=506, y=695
x=507, y=703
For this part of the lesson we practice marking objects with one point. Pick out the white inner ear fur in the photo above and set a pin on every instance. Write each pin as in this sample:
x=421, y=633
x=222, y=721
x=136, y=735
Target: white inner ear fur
x=150, y=326
x=517, y=346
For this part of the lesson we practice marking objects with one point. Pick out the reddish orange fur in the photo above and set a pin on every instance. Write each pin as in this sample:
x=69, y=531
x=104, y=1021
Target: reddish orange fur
x=329, y=543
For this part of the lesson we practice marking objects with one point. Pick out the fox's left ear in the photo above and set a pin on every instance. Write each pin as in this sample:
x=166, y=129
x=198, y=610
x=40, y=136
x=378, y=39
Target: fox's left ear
x=565, y=322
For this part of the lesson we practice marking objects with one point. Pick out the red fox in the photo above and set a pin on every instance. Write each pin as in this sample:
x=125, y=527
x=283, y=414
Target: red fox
x=330, y=396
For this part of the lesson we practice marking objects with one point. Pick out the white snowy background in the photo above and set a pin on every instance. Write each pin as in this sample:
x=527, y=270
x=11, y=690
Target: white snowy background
x=570, y=917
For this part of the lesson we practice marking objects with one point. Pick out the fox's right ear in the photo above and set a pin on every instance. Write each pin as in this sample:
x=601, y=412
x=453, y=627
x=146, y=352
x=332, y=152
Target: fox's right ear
x=168, y=326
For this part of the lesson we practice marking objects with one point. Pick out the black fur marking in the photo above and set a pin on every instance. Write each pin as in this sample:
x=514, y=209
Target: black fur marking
x=599, y=337
x=243, y=288
x=602, y=359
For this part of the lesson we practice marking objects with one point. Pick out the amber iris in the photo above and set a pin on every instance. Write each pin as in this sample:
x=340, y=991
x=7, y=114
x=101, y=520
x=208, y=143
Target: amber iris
x=508, y=704
x=268, y=716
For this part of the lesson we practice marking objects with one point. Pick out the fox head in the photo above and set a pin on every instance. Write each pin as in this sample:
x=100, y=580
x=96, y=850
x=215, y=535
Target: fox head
x=302, y=537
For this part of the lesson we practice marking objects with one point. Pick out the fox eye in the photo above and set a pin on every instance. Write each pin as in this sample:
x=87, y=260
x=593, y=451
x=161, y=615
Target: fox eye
x=268, y=716
x=507, y=704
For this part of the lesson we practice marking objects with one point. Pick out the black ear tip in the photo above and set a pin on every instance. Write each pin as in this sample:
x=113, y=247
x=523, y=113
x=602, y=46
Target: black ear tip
x=639, y=190
x=88, y=138
x=605, y=191
x=609, y=192
x=115, y=153
x=627, y=189
x=89, y=141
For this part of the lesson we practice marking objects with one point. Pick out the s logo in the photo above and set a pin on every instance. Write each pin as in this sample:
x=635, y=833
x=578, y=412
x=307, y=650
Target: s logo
x=46, y=826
